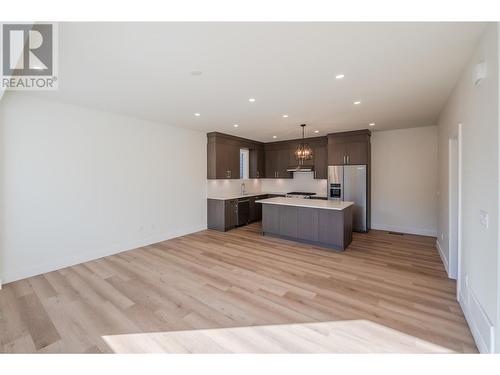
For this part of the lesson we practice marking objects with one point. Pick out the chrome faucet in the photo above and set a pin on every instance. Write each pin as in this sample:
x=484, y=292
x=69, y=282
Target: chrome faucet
x=243, y=188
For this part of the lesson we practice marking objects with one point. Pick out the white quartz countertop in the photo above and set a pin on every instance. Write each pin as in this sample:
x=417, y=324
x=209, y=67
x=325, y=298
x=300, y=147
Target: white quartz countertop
x=237, y=196
x=310, y=203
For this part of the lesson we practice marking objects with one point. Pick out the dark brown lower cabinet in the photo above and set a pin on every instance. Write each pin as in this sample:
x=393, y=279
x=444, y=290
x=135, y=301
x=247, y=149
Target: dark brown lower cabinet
x=255, y=209
x=222, y=214
x=231, y=213
x=323, y=227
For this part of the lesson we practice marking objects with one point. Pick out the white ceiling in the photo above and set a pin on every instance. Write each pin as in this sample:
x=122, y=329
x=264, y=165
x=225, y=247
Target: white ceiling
x=402, y=73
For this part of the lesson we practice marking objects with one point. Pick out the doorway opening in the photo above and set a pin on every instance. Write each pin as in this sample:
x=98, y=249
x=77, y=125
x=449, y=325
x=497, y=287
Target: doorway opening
x=455, y=208
x=453, y=203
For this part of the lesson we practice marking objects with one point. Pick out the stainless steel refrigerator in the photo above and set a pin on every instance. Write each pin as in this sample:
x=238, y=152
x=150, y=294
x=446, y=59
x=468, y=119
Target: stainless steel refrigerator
x=349, y=183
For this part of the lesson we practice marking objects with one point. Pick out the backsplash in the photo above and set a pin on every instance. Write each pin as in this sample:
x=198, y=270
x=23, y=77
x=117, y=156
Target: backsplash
x=303, y=181
x=217, y=188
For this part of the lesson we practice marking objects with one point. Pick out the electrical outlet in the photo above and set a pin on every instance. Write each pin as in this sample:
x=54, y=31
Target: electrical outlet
x=484, y=218
x=442, y=236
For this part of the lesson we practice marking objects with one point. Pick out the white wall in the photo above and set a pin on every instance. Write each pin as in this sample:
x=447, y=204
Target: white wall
x=79, y=184
x=476, y=108
x=404, y=180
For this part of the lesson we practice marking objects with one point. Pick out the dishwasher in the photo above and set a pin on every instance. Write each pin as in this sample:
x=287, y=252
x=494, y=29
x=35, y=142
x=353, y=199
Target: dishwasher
x=243, y=212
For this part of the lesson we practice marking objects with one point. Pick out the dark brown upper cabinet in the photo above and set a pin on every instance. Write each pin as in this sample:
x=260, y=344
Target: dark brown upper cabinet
x=281, y=155
x=349, y=148
x=277, y=160
x=271, y=163
x=223, y=156
x=320, y=157
x=257, y=163
x=271, y=160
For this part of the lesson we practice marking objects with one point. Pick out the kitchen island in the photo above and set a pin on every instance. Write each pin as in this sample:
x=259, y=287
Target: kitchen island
x=327, y=223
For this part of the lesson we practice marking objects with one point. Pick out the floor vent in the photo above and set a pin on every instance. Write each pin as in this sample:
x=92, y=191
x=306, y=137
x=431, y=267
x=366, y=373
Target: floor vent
x=396, y=233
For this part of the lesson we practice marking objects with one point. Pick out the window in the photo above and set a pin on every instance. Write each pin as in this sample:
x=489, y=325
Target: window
x=244, y=163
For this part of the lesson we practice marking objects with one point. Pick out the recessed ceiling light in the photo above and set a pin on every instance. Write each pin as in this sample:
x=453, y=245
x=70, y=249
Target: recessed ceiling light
x=251, y=100
x=357, y=102
x=285, y=116
x=197, y=114
x=196, y=73
x=235, y=125
x=274, y=137
x=316, y=131
x=339, y=76
x=371, y=124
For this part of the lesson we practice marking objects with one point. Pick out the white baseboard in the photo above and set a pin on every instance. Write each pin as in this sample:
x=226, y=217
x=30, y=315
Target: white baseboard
x=409, y=230
x=72, y=260
x=443, y=258
x=481, y=328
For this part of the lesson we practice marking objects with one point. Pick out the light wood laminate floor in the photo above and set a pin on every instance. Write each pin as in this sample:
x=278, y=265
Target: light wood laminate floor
x=241, y=292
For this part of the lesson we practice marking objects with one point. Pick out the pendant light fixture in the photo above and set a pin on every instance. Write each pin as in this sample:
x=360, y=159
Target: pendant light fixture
x=303, y=152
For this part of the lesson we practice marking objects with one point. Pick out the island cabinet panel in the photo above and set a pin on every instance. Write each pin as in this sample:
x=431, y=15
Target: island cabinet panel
x=323, y=227
x=271, y=219
x=348, y=219
x=288, y=221
x=329, y=230
x=307, y=224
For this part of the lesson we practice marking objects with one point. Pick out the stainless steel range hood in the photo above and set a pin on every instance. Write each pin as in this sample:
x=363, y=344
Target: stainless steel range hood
x=300, y=168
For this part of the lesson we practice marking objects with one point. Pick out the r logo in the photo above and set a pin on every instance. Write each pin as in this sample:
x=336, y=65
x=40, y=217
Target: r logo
x=27, y=50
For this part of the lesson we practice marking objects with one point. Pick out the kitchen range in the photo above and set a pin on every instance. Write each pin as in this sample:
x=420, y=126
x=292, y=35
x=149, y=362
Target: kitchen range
x=299, y=194
x=341, y=160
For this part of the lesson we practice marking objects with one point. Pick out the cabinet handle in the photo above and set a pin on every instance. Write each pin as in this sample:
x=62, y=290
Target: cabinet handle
x=257, y=174
x=347, y=159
